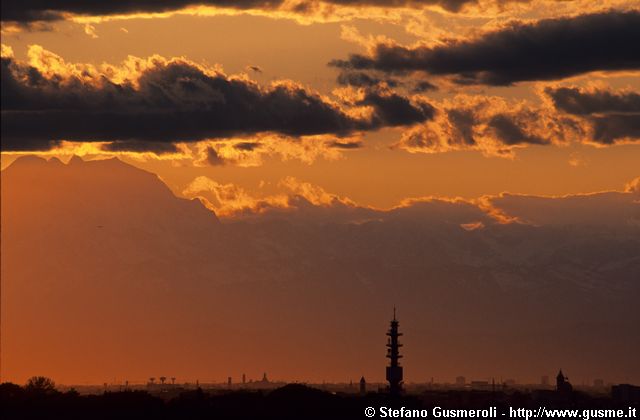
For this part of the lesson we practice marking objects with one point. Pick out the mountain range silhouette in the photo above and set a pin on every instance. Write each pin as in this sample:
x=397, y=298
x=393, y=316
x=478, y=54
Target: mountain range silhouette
x=107, y=274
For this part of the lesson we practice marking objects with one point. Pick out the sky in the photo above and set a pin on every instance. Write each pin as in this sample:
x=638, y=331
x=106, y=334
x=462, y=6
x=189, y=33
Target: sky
x=371, y=100
x=455, y=156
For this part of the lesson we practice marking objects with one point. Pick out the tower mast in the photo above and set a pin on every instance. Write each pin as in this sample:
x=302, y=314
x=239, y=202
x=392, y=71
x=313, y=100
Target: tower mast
x=394, y=370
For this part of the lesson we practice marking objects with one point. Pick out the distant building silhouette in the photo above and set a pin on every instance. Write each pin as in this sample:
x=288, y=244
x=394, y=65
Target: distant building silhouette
x=244, y=379
x=264, y=380
x=562, y=383
x=625, y=393
x=461, y=381
x=480, y=385
x=363, y=386
x=394, y=370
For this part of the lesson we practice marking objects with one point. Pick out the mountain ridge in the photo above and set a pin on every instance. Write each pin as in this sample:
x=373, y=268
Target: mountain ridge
x=103, y=265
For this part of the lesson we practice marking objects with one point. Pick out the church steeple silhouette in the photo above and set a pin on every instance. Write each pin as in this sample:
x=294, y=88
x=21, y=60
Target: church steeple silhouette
x=562, y=383
x=394, y=370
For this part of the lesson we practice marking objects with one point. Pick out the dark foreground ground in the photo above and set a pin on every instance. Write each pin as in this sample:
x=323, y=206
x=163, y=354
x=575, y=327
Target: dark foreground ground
x=289, y=402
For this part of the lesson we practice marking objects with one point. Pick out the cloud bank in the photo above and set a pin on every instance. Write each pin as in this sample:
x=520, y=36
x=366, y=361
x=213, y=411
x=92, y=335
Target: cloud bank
x=27, y=11
x=147, y=104
x=613, y=116
x=547, y=49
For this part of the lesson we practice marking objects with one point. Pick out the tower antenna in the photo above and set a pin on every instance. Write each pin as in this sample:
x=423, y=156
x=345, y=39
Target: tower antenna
x=394, y=370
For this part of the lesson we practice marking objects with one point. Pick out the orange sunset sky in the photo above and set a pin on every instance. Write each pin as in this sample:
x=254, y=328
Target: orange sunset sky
x=390, y=162
x=375, y=105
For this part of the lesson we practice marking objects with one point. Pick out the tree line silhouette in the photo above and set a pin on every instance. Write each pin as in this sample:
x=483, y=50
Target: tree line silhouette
x=39, y=399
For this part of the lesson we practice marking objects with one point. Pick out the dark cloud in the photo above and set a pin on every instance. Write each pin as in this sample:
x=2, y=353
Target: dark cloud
x=423, y=86
x=577, y=102
x=247, y=146
x=613, y=116
x=174, y=101
x=345, y=145
x=25, y=11
x=510, y=133
x=463, y=121
x=451, y=5
x=369, y=79
x=611, y=128
x=363, y=79
x=39, y=10
x=392, y=109
x=545, y=50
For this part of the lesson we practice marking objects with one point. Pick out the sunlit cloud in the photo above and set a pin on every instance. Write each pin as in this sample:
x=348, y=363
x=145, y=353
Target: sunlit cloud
x=229, y=200
x=577, y=160
x=90, y=30
x=256, y=150
x=6, y=51
x=494, y=126
x=633, y=186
